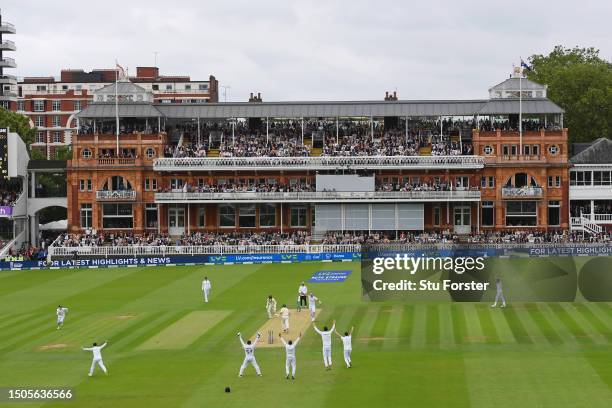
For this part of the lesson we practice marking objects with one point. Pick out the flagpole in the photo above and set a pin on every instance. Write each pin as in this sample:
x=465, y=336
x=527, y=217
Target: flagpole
x=117, y=107
x=521, y=109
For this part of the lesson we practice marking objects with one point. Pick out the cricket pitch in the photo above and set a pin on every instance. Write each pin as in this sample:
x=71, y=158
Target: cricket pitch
x=298, y=323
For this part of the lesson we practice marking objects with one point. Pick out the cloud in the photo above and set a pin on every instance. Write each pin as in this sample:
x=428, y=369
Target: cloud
x=309, y=49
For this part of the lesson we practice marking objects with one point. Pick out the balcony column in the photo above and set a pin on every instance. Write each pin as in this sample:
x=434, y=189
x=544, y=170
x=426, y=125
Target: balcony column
x=159, y=125
x=372, y=127
x=267, y=129
x=592, y=217
x=337, y=130
x=158, y=219
x=302, y=131
x=281, y=218
x=199, y=133
x=234, y=131
x=478, y=217
x=406, y=126
x=188, y=219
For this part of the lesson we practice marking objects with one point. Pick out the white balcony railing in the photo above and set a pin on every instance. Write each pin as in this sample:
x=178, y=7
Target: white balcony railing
x=318, y=162
x=320, y=196
x=105, y=251
x=116, y=195
x=521, y=192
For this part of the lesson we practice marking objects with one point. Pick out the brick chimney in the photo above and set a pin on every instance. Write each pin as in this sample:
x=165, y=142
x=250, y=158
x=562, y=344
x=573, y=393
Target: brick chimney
x=390, y=97
x=253, y=98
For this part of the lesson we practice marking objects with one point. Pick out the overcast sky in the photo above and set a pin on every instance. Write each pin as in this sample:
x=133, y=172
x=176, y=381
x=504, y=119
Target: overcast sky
x=307, y=50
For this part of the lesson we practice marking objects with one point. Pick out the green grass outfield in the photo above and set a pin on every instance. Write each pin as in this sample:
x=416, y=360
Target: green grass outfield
x=405, y=354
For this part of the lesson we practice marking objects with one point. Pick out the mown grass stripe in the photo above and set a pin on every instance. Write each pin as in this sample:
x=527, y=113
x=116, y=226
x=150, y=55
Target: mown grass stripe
x=587, y=320
x=605, y=319
x=37, y=336
x=379, y=328
x=23, y=325
x=406, y=325
x=447, y=339
x=474, y=330
x=518, y=330
x=392, y=335
x=486, y=323
x=605, y=308
x=570, y=323
x=504, y=332
x=432, y=328
x=557, y=325
x=224, y=332
x=419, y=325
x=11, y=320
x=535, y=333
x=165, y=320
x=459, y=324
x=366, y=325
x=543, y=324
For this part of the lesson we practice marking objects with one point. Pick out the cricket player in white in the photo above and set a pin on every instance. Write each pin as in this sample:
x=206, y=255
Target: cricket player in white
x=327, y=347
x=97, y=357
x=499, y=294
x=302, y=294
x=271, y=306
x=347, y=346
x=206, y=288
x=61, y=315
x=249, y=354
x=284, y=315
x=312, y=305
x=290, y=355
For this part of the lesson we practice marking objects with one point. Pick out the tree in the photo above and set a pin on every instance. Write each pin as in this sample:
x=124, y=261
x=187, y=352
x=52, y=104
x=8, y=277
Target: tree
x=581, y=83
x=18, y=123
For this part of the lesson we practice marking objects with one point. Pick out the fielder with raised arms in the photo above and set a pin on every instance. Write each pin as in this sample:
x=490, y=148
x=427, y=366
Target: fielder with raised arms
x=97, y=357
x=249, y=354
x=290, y=355
x=327, y=348
x=347, y=346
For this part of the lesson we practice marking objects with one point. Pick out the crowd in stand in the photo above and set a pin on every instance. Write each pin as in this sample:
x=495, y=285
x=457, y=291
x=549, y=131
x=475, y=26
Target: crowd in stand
x=424, y=186
x=598, y=208
x=8, y=198
x=243, y=188
x=443, y=237
x=10, y=190
x=92, y=238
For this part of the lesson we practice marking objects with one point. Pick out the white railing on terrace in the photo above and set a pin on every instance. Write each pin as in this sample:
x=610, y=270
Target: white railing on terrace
x=116, y=195
x=106, y=251
x=319, y=196
x=8, y=60
x=519, y=192
x=197, y=250
x=316, y=162
x=599, y=218
x=11, y=244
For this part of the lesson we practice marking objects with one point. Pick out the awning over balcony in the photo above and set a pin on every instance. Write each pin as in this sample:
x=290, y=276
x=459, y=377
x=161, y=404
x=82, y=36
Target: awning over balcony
x=126, y=110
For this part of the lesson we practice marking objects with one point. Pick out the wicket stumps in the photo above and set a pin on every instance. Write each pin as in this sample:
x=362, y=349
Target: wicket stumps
x=270, y=336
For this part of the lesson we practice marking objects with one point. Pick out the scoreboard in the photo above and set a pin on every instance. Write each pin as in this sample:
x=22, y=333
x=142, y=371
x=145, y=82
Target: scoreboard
x=3, y=152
